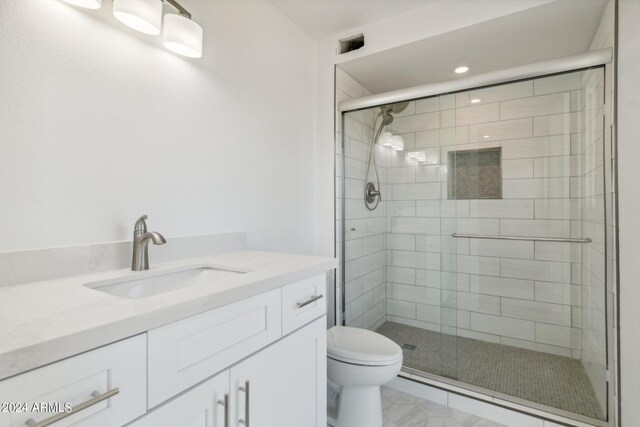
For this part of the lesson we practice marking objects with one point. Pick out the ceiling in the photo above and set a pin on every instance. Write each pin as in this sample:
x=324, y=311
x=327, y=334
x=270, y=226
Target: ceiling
x=553, y=30
x=324, y=18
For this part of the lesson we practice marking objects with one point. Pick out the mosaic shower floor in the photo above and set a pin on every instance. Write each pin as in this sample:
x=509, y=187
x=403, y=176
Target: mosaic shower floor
x=556, y=381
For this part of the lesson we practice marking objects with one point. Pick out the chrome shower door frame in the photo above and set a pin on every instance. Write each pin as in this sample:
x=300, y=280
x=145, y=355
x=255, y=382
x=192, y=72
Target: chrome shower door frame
x=576, y=63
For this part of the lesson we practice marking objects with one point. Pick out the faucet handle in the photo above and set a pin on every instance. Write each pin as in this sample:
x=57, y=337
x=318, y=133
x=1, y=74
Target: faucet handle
x=141, y=224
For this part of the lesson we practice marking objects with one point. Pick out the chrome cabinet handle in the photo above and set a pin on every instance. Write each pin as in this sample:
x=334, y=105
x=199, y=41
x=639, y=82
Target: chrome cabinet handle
x=313, y=299
x=245, y=389
x=97, y=398
x=225, y=404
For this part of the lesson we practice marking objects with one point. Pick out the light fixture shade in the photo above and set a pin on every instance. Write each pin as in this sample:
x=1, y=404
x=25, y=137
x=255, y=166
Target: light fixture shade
x=182, y=35
x=386, y=139
x=141, y=15
x=418, y=156
x=397, y=142
x=87, y=4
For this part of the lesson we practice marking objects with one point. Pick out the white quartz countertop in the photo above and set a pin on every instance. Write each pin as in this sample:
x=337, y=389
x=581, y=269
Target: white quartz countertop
x=46, y=321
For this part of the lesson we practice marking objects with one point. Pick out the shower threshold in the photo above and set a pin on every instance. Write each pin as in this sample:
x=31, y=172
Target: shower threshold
x=530, y=379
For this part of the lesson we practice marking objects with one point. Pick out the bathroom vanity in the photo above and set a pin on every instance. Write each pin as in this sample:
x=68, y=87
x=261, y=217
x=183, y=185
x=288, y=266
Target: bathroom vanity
x=220, y=350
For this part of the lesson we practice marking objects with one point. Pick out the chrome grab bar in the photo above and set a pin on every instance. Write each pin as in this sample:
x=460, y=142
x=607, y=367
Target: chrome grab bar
x=97, y=398
x=309, y=301
x=535, y=239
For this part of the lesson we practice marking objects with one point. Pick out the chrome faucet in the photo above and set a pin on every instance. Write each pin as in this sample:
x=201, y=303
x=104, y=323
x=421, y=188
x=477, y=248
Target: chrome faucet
x=141, y=239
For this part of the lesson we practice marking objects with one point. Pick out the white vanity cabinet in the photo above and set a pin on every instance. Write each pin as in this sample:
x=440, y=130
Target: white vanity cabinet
x=256, y=362
x=282, y=385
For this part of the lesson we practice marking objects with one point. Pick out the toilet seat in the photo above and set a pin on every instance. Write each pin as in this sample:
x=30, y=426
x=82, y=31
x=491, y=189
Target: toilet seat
x=361, y=347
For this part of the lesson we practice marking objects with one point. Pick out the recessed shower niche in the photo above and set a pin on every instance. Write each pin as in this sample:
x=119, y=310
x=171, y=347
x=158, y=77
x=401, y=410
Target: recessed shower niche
x=475, y=174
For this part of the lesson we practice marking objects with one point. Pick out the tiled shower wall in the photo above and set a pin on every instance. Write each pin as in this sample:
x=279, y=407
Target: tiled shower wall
x=518, y=293
x=364, y=229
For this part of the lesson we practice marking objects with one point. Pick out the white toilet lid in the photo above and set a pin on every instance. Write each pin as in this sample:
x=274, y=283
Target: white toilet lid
x=361, y=347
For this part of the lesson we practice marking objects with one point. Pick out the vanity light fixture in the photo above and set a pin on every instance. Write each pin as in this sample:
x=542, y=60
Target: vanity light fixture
x=86, y=4
x=418, y=156
x=397, y=142
x=180, y=34
x=386, y=139
x=141, y=15
x=475, y=100
x=389, y=140
x=461, y=69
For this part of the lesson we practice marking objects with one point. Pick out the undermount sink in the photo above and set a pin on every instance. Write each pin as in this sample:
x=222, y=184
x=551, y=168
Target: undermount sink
x=150, y=283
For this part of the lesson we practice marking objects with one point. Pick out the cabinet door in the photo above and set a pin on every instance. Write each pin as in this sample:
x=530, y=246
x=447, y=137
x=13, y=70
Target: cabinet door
x=202, y=406
x=283, y=385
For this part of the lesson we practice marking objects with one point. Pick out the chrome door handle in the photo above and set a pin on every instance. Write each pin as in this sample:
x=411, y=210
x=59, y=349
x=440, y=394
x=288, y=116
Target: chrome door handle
x=309, y=301
x=97, y=398
x=225, y=404
x=245, y=389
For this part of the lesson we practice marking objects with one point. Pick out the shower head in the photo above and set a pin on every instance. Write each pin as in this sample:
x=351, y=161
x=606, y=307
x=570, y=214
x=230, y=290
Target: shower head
x=386, y=111
x=399, y=107
x=387, y=118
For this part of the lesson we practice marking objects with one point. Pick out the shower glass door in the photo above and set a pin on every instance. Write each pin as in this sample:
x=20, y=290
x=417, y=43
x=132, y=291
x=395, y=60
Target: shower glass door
x=393, y=243
x=484, y=258
x=528, y=177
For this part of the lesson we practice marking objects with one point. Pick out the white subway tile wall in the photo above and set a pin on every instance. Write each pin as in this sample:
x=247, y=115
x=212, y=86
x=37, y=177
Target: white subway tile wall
x=365, y=255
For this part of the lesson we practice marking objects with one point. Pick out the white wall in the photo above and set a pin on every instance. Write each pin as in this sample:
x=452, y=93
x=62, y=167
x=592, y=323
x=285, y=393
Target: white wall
x=628, y=207
x=101, y=124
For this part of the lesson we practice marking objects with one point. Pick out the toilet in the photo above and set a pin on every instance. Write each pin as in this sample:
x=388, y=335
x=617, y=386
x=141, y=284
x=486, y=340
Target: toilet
x=358, y=363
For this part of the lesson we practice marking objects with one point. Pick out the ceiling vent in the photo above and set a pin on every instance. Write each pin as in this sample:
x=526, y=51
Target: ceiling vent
x=351, y=43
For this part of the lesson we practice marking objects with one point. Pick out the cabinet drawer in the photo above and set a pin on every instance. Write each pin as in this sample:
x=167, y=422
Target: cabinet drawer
x=203, y=406
x=79, y=379
x=303, y=302
x=186, y=352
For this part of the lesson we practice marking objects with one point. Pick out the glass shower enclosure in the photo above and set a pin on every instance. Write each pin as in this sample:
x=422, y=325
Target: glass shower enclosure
x=472, y=233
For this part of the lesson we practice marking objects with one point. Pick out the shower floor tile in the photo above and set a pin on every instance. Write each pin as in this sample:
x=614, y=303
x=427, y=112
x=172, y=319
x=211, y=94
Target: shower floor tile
x=556, y=381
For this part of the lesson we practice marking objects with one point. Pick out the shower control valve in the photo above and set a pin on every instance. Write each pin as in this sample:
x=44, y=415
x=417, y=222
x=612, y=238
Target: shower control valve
x=371, y=193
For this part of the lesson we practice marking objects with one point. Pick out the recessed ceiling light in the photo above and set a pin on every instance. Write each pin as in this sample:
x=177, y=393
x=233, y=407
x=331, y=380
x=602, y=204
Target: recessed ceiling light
x=475, y=100
x=462, y=69
x=487, y=136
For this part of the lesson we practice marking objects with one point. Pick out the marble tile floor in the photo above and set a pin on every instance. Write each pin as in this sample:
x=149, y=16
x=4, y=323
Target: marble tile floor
x=404, y=410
